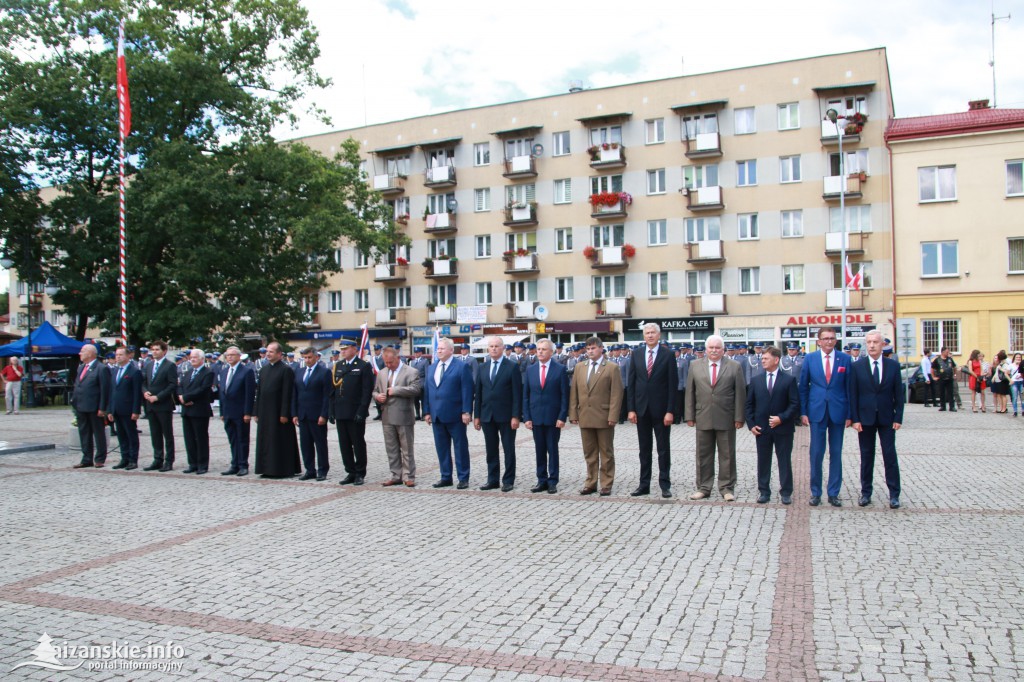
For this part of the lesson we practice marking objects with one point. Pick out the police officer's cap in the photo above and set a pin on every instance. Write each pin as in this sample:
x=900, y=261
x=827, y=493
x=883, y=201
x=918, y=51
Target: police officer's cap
x=686, y=345
x=346, y=342
x=263, y=350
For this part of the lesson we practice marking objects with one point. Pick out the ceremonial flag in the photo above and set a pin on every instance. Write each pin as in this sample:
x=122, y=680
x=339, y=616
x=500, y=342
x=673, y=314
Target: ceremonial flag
x=122, y=85
x=854, y=282
x=364, y=347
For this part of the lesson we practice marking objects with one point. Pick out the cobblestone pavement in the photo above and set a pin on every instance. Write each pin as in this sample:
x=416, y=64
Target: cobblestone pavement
x=261, y=579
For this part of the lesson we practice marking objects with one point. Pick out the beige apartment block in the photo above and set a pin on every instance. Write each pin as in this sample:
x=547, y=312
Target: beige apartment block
x=958, y=207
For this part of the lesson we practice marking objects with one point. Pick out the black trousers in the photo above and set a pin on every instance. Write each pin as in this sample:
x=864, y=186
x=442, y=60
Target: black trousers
x=782, y=443
x=313, y=445
x=624, y=412
x=238, y=440
x=352, y=440
x=946, y=394
x=91, y=433
x=887, y=439
x=196, y=432
x=161, y=434
x=492, y=431
x=930, y=397
x=127, y=438
x=646, y=427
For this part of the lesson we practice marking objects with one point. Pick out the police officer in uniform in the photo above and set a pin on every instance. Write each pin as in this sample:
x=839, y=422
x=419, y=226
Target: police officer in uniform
x=792, y=361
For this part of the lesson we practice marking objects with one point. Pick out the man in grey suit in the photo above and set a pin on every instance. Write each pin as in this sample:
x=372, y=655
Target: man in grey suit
x=716, y=400
x=396, y=388
x=92, y=400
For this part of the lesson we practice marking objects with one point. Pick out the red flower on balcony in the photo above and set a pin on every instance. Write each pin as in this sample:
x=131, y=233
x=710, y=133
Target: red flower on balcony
x=604, y=199
x=628, y=250
x=522, y=252
x=589, y=252
x=401, y=261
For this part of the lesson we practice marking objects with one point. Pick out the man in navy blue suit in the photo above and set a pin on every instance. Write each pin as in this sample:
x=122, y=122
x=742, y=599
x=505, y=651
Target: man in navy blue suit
x=91, y=400
x=651, y=397
x=237, y=397
x=498, y=405
x=825, y=408
x=773, y=405
x=448, y=407
x=876, y=407
x=125, y=409
x=545, y=409
x=195, y=393
x=311, y=402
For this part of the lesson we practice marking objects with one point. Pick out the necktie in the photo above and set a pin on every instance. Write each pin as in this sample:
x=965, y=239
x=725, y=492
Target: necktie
x=543, y=373
x=878, y=379
x=120, y=373
x=231, y=374
x=440, y=374
x=593, y=370
x=714, y=373
x=193, y=377
x=494, y=370
x=650, y=361
x=394, y=375
x=305, y=379
x=156, y=366
x=828, y=370
x=771, y=382
x=85, y=369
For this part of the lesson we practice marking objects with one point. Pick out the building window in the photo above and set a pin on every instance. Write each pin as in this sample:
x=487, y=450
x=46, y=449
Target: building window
x=861, y=267
x=399, y=207
x=1016, y=329
x=337, y=257
x=789, y=116
x=439, y=203
x=695, y=177
x=792, y=279
x=399, y=297
x=856, y=162
x=609, y=286
x=858, y=219
x=703, y=229
x=608, y=235
x=483, y=293
x=606, y=183
x=748, y=226
x=519, y=292
x=334, y=302
x=521, y=240
x=657, y=232
x=750, y=280
x=939, y=259
x=482, y=154
x=483, y=246
x=701, y=123
x=563, y=239
x=703, y=282
x=362, y=299
x=789, y=169
x=362, y=260
x=792, y=224
x=560, y=143
x=520, y=194
x=937, y=183
x=658, y=285
x=849, y=105
x=482, y=199
x=656, y=181
x=746, y=173
x=563, y=191
x=941, y=333
x=442, y=294
x=607, y=134
x=655, y=130
x=1016, y=253
x=745, y=122
x=1015, y=178
x=563, y=289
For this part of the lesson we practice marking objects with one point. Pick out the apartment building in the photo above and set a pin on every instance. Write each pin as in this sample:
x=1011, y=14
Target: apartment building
x=958, y=207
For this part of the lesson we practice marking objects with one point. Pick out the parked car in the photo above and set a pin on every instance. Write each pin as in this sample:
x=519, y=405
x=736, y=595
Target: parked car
x=917, y=387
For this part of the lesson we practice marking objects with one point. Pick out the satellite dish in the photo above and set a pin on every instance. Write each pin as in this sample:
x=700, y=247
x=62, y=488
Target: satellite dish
x=538, y=150
x=541, y=312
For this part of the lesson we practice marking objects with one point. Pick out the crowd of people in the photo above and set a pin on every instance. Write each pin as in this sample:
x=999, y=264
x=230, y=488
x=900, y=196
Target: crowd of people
x=714, y=389
x=1004, y=378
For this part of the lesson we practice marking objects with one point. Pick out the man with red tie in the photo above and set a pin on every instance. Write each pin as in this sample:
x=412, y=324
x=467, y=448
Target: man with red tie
x=545, y=411
x=91, y=400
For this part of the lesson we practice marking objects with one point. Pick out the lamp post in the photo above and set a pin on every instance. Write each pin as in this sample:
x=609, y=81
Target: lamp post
x=833, y=116
x=8, y=263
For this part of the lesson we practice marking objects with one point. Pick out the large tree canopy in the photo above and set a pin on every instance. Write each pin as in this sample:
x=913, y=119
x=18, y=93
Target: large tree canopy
x=226, y=230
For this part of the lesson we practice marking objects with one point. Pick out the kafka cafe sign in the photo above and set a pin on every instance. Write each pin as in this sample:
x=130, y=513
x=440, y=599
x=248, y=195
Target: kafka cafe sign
x=672, y=324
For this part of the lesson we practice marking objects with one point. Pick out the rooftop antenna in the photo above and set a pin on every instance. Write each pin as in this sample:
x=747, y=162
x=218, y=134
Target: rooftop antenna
x=992, y=61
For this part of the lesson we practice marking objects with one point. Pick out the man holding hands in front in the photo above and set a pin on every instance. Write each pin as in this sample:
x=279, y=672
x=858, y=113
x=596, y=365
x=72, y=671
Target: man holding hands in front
x=773, y=406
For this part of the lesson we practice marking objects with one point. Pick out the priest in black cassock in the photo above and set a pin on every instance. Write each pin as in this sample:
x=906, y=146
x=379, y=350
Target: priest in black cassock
x=277, y=451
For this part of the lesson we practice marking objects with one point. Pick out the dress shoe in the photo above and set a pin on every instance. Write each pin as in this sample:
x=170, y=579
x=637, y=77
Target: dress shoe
x=539, y=488
x=763, y=498
x=666, y=494
x=359, y=481
x=443, y=483
x=835, y=501
x=506, y=488
x=351, y=478
x=815, y=500
x=605, y=492
x=321, y=477
x=699, y=495
x=639, y=492
x=729, y=497
x=82, y=465
x=410, y=484
x=943, y=409
x=552, y=488
x=155, y=466
x=588, y=491
x=787, y=499
x=894, y=503
x=376, y=419
x=190, y=470
x=952, y=409
x=230, y=472
x=489, y=486
x=200, y=472
x=120, y=465
x=462, y=485
x=308, y=476
x=391, y=482
x=167, y=467
x=98, y=465
x=864, y=500
x=243, y=472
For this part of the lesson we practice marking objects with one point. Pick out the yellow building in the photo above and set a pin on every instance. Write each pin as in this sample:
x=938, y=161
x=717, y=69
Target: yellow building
x=958, y=207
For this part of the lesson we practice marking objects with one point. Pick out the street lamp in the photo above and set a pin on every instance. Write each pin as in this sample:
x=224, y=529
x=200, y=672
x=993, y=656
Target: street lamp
x=833, y=116
x=8, y=263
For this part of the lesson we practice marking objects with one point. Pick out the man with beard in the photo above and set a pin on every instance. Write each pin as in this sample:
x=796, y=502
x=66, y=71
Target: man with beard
x=277, y=451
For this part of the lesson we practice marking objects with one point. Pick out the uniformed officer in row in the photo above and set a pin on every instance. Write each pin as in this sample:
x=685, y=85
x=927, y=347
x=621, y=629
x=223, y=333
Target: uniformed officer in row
x=792, y=361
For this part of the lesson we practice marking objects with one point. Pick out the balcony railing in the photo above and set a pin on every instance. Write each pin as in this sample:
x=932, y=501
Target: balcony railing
x=614, y=307
x=613, y=157
x=518, y=265
x=442, y=313
x=854, y=299
x=389, y=183
x=832, y=187
x=704, y=145
x=851, y=136
x=707, y=251
x=605, y=211
x=439, y=176
x=834, y=243
x=521, y=217
x=438, y=223
x=389, y=272
x=520, y=167
x=442, y=267
x=704, y=198
x=609, y=257
x=708, y=304
x=390, y=317
x=521, y=310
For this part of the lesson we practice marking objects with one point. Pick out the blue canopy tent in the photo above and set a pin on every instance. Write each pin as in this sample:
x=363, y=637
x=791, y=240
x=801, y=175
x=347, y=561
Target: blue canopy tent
x=46, y=342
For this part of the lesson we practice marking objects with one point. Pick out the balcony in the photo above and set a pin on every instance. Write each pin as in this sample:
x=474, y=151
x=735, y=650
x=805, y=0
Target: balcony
x=834, y=243
x=608, y=205
x=521, y=310
x=833, y=186
x=607, y=257
x=313, y=322
x=389, y=184
x=703, y=146
x=439, y=176
x=854, y=299
x=389, y=272
x=441, y=268
x=602, y=158
x=708, y=304
x=390, y=317
x=519, y=167
x=853, y=123
x=522, y=216
x=703, y=252
x=439, y=223
x=614, y=307
x=441, y=313
x=521, y=264
x=704, y=198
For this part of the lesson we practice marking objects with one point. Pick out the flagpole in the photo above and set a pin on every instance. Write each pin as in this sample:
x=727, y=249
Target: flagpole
x=124, y=123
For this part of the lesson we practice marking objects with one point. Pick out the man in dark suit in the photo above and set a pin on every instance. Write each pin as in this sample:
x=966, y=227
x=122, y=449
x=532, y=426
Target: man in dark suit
x=126, y=406
x=773, y=406
x=448, y=407
x=311, y=403
x=651, y=397
x=237, y=393
x=195, y=393
x=352, y=381
x=91, y=400
x=498, y=405
x=159, y=390
x=876, y=396
x=545, y=411
x=824, y=407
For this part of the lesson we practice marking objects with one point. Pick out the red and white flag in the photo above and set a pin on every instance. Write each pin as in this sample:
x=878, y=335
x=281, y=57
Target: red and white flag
x=853, y=282
x=124, y=105
x=364, y=347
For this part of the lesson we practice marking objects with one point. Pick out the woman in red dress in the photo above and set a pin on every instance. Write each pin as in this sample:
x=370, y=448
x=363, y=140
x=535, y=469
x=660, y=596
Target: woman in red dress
x=976, y=368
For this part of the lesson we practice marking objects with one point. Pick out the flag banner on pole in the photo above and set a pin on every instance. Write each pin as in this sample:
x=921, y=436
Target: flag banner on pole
x=122, y=85
x=433, y=343
x=853, y=282
x=364, y=347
